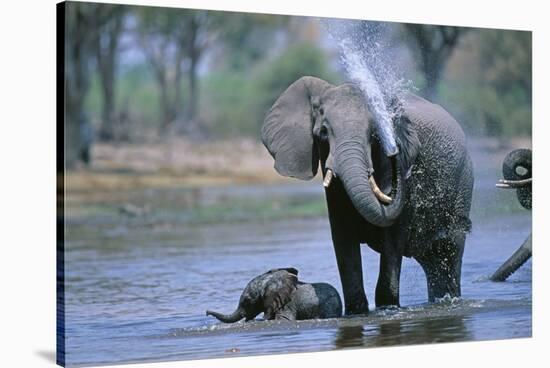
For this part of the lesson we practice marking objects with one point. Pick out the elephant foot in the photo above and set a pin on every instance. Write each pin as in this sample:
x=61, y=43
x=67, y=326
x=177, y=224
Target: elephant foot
x=442, y=290
x=443, y=282
x=387, y=289
x=442, y=267
x=357, y=308
x=387, y=299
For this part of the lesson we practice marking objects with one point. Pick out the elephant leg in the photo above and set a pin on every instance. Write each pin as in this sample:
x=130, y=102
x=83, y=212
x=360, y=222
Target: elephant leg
x=387, y=287
x=443, y=266
x=344, y=224
x=348, y=257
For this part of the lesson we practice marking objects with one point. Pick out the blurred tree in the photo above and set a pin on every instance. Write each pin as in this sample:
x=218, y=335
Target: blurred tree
x=196, y=39
x=505, y=62
x=158, y=33
x=238, y=100
x=294, y=62
x=488, y=81
x=108, y=24
x=433, y=46
x=173, y=39
x=244, y=39
x=78, y=57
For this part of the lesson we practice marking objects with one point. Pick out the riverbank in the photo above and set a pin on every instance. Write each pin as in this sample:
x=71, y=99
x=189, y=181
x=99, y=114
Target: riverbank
x=181, y=181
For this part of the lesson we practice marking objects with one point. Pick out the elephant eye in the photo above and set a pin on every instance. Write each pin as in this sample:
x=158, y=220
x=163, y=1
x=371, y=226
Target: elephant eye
x=323, y=133
x=521, y=171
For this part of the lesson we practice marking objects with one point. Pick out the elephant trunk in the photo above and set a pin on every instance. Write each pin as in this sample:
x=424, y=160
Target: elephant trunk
x=237, y=315
x=514, y=262
x=354, y=170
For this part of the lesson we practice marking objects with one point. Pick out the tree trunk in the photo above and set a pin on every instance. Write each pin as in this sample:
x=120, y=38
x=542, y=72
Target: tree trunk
x=194, y=55
x=178, y=98
x=165, y=105
x=107, y=43
x=434, y=45
x=77, y=60
x=193, y=87
x=432, y=68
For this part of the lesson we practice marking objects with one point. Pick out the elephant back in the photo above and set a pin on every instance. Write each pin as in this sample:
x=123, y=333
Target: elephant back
x=441, y=181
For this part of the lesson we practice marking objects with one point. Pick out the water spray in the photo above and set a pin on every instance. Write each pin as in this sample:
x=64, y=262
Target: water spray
x=362, y=54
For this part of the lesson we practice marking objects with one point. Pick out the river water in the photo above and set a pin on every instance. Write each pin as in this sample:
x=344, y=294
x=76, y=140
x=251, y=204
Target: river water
x=137, y=289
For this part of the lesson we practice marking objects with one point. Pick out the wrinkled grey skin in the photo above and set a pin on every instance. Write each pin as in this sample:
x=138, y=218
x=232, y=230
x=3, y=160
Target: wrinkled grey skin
x=312, y=301
x=516, y=260
x=430, y=181
x=517, y=165
x=279, y=295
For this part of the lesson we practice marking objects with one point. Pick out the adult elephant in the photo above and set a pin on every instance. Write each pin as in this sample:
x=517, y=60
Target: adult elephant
x=518, y=174
x=413, y=201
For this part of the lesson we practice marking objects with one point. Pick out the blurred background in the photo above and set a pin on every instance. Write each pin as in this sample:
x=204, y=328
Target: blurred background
x=147, y=76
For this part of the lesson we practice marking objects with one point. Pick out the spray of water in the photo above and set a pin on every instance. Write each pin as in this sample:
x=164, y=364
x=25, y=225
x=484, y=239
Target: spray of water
x=363, y=54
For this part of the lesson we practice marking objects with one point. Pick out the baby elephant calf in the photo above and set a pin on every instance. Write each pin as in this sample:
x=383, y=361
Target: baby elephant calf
x=279, y=295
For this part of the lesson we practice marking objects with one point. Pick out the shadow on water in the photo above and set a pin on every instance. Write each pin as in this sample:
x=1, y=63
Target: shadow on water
x=445, y=329
x=349, y=336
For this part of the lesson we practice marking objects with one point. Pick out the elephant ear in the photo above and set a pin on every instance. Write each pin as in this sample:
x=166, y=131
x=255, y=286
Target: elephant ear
x=406, y=134
x=278, y=290
x=407, y=138
x=287, y=131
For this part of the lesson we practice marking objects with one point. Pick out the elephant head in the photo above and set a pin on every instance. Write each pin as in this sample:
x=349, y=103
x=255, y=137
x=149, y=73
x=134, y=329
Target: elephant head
x=316, y=121
x=518, y=174
x=266, y=293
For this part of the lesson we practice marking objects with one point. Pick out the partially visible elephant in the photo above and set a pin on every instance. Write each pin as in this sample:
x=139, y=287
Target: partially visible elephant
x=518, y=174
x=517, y=170
x=410, y=200
x=279, y=295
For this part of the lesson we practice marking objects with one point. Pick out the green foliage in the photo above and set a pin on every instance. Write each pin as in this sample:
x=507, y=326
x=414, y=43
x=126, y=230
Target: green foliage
x=245, y=38
x=234, y=103
x=490, y=93
x=227, y=104
x=137, y=94
x=296, y=61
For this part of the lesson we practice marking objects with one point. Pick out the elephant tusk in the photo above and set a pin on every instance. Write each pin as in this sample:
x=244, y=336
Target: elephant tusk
x=328, y=178
x=512, y=184
x=378, y=193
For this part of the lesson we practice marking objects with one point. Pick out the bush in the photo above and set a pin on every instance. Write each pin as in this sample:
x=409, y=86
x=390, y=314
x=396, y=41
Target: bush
x=235, y=103
x=489, y=92
x=296, y=61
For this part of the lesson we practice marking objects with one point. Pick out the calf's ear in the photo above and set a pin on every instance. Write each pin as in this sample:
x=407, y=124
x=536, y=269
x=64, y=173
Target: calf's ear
x=278, y=290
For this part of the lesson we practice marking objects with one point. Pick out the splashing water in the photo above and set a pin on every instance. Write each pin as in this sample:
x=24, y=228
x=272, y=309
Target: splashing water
x=447, y=299
x=360, y=73
x=364, y=59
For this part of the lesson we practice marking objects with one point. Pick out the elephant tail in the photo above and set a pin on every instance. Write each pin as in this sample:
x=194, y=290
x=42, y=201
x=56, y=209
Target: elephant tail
x=237, y=315
x=514, y=262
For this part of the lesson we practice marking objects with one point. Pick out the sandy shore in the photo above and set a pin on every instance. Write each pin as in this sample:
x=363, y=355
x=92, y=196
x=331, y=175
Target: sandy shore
x=180, y=162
